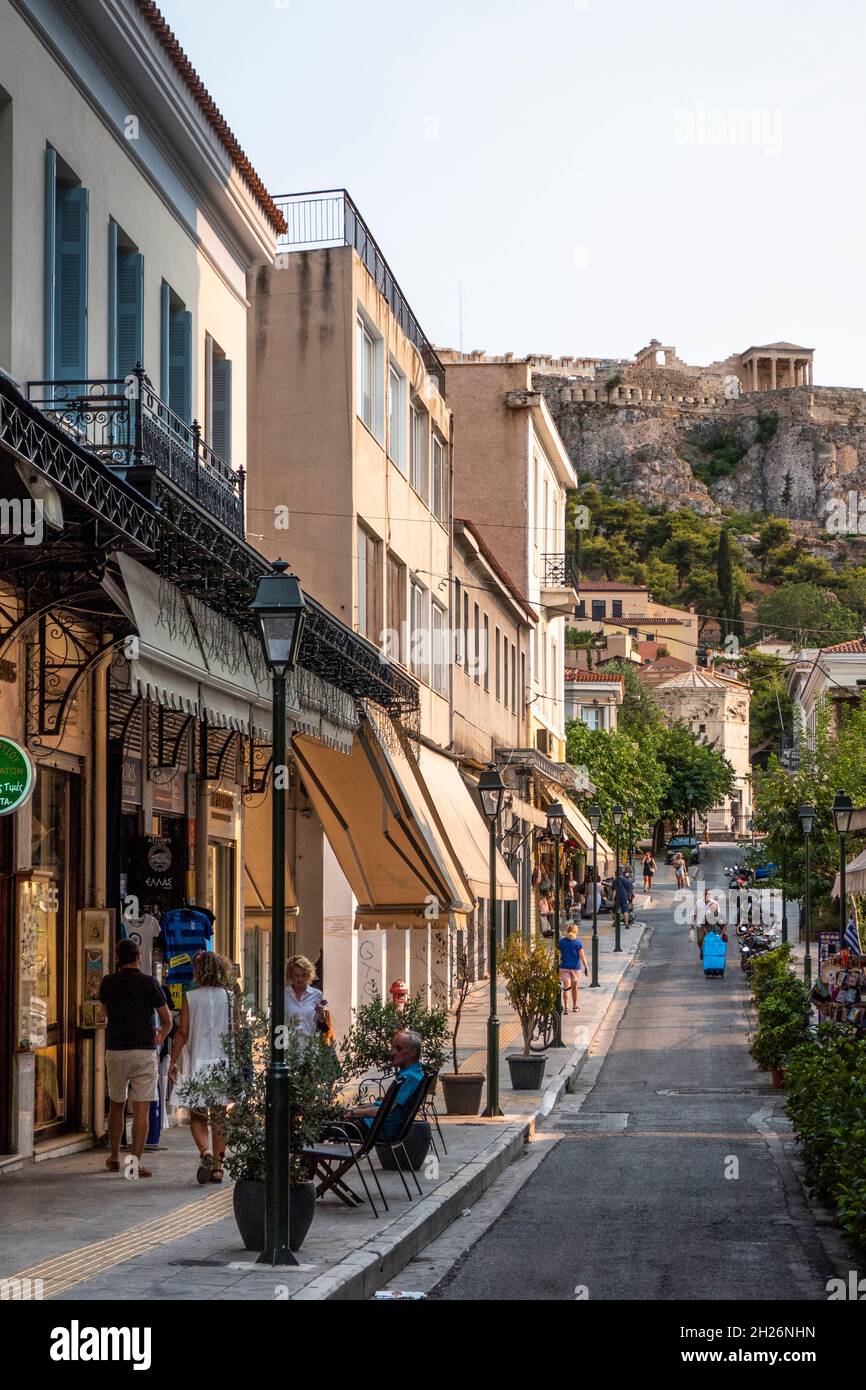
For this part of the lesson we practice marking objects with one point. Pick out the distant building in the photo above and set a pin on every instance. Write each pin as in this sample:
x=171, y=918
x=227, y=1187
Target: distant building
x=836, y=673
x=617, y=609
x=593, y=697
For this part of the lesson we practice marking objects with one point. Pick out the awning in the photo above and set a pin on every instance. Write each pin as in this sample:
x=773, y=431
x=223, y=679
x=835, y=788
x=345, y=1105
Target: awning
x=381, y=825
x=581, y=830
x=462, y=823
x=257, y=868
x=192, y=658
x=855, y=876
x=524, y=810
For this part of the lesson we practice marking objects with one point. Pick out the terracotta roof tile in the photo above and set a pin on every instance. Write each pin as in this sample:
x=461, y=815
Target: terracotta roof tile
x=857, y=646
x=604, y=586
x=497, y=568
x=214, y=117
x=573, y=673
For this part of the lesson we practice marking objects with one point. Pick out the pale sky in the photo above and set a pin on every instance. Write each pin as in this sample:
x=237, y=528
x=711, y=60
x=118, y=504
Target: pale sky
x=594, y=173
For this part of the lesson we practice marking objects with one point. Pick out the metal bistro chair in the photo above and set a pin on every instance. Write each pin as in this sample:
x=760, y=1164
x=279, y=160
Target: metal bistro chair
x=429, y=1110
x=331, y=1160
x=398, y=1141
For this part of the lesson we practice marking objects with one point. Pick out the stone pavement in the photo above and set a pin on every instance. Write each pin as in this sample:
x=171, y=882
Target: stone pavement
x=88, y=1234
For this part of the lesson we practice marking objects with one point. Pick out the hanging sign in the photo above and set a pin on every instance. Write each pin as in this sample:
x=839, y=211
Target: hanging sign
x=17, y=776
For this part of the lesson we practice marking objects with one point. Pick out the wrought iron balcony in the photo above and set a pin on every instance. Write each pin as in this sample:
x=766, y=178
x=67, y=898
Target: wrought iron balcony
x=126, y=424
x=330, y=218
x=558, y=572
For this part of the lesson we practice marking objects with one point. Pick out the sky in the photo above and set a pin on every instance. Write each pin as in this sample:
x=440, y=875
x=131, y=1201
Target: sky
x=584, y=175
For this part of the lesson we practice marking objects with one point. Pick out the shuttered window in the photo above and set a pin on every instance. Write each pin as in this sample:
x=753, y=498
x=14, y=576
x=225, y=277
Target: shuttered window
x=125, y=306
x=66, y=230
x=176, y=372
x=219, y=403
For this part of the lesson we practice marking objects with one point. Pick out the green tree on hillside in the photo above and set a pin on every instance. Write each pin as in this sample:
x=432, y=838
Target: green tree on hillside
x=774, y=533
x=808, y=615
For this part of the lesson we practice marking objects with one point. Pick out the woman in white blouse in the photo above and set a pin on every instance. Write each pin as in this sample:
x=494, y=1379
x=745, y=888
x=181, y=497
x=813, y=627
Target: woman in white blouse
x=304, y=1005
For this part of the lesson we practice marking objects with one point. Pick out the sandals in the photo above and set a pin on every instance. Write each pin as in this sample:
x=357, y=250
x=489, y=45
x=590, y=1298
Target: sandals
x=217, y=1173
x=205, y=1168
x=112, y=1164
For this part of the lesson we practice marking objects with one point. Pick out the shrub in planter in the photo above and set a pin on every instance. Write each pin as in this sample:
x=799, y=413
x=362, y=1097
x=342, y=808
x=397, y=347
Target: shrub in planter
x=313, y=1070
x=770, y=967
x=367, y=1045
x=783, y=1022
x=462, y=1090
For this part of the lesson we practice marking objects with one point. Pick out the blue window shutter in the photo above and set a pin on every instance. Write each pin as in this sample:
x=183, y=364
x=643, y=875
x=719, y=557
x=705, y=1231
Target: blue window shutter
x=112, y=298
x=164, y=354
x=180, y=364
x=70, y=308
x=221, y=408
x=50, y=240
x=130, y=312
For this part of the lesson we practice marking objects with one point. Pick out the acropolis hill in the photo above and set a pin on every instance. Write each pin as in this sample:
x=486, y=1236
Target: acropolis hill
x=750, y=431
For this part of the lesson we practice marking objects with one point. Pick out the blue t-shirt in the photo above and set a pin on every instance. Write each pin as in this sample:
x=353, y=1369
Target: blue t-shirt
x=570, y=948
x=185, y=932
x=410, y=1079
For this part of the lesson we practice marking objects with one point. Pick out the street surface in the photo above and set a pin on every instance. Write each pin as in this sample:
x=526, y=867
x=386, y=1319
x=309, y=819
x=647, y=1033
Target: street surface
x=669, y=1181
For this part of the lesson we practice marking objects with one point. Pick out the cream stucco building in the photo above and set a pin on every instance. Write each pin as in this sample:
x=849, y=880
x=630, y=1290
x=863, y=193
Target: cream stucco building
x=716, y=709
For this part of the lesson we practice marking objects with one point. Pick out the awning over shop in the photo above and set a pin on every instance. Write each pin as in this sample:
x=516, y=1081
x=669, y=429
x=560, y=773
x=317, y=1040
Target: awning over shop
x=524, y=810
x=580, y=828
x=192, y=658
x=855, y=876
x=257, y=868
x=381, y=825
x=464, y=826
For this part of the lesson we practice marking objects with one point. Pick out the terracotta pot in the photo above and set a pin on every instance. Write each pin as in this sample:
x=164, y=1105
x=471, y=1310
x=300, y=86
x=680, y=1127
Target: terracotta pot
x=778, y=1077
x=462, y=1091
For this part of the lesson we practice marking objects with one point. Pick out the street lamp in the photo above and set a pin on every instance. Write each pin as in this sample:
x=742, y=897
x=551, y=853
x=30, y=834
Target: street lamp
x=594, y=818
x=807, y=820
x=690, y=796
x=491, y=790
x=843, y=809
x=629, y=810
x=281, y=612
x=616, y=813
x=555, y=824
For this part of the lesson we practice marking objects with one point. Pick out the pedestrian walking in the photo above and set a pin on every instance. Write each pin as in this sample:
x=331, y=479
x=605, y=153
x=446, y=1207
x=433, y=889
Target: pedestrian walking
x=706, y=917
x=624, y=891
x=131, y=999
x=649, y=868
x=572, y=959
x=706, y=824
x=679, y=868
x=544, y=914
x=207, y=1025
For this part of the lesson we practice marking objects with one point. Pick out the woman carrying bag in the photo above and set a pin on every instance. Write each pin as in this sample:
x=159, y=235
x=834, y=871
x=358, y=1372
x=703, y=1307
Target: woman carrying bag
x=207, y=1019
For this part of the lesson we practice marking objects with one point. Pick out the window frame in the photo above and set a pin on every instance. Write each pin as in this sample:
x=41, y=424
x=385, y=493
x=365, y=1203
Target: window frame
x=419, y=416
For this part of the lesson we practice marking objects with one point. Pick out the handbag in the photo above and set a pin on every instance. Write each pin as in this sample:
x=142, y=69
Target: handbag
x=692, y=932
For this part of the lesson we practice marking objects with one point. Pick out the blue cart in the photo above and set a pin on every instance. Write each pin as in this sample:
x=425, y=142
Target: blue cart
x=715, y=952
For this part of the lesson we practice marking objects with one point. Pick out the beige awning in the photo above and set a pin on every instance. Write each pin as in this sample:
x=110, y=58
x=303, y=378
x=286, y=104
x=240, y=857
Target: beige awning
x=524, y=810
x=384, y=831
x=258, y=868
x=462, y=823
x=855, y=876
x=581, y=830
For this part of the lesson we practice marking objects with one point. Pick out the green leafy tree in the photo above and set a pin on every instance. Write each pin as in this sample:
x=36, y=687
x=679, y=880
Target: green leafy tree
x=774, y=533
x=811, y=616
x=770, y=710
x=725, y=581
x=621, y=768
x=639, y=715
x=688, y=762
x=809, y=569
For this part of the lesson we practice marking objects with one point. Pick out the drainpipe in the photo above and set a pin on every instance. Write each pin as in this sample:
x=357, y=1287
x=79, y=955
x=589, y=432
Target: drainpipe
x=99, y=881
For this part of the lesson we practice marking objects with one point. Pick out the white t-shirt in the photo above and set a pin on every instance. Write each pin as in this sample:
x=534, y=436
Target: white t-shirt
x=144, y=930
x=302, y=1012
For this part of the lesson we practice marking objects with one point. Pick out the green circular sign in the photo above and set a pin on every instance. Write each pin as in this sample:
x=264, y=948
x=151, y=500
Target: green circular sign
x=16, y=776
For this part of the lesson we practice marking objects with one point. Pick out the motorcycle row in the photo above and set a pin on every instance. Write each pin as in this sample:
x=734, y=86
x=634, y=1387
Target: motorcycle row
x=756, y=939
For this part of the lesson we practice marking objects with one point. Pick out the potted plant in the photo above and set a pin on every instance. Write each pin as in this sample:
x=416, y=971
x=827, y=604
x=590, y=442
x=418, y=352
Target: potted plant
x=461, y=1089
x=783, y=1024
x=366, y=1050
x=313, y=1070
x=532, y=984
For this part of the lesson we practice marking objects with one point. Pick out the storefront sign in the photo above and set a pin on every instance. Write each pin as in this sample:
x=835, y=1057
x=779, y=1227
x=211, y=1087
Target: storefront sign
x=828, y=945
x=155, y=875
x=16, y=776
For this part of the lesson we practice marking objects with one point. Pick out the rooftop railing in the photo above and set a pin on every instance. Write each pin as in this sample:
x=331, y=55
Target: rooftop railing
x=330, y=218
x=126, y=423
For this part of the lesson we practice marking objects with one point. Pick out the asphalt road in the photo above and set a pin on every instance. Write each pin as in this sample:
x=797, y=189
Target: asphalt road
x=670, y=1181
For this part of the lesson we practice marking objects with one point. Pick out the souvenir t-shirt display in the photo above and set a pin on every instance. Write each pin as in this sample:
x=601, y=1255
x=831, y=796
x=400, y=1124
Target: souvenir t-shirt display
x=185, y=932
x=144, y=930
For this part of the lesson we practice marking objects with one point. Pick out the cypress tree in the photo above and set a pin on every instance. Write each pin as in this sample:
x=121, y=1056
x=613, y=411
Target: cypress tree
x=725, y=578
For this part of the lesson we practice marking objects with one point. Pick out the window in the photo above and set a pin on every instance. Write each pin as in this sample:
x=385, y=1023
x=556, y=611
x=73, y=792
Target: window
x=514, y=677
x=439, y=642
x=125, y=304
x=397, y=417
x=458, y=633
x=217, y=399
x=599, y=609
x=591, y=716
x=396, y=607
x=439, y=500
x=366, y=375
x=466, y=643
x=419, y=476
x=504, y=672
x=66, y=238
x=616, y=608
x=368, y=583
x=522, y=680
x=176, y=354
x=486, y=652
x=498, y=677
x=580, y=610
x=477, y=652
x=419, y=635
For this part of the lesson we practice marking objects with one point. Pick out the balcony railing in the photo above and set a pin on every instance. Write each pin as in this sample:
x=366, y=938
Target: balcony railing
x=330, y=218
x=558, y=572
x=130, y=428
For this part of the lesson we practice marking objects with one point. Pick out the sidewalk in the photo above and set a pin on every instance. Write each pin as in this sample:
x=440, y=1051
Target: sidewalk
x=88, y=1234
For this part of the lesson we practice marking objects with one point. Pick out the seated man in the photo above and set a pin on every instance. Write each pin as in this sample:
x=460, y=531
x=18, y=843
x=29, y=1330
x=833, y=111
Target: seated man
x=406, y=1055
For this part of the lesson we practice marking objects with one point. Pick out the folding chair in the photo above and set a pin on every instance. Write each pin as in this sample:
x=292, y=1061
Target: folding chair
x=332, y=1160
x=429, y=1109
x=398, y=1140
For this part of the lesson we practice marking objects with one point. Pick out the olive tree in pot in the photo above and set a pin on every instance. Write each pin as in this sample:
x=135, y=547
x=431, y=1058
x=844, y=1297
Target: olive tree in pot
x=239, y=1082
x=532, y=984
x=461, y=1089
x=366, y=1055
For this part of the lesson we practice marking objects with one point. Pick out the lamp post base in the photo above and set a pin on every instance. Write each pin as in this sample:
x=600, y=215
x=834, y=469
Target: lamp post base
x=594, y=981
x=492, y=1109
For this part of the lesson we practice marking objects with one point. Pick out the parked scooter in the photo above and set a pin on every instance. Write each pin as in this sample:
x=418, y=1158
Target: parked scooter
x=757, y=944
x=739, y=878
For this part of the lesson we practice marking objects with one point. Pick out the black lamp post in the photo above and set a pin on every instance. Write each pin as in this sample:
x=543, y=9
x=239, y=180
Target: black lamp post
x=690, y=796
x=491, y=790
x=807, y=820
x=843, y=809
x=555, y=823
x=616, y=812
x=785, y=893
x=594, y=818
x=281, y=612
x=629, y=810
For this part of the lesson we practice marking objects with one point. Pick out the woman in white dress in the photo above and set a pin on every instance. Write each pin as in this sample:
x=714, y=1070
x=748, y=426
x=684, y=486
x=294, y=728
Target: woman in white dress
x=207, y=1017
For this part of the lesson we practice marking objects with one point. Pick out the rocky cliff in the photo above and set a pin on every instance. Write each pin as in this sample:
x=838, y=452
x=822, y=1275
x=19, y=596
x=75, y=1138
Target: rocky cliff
x=795, y=453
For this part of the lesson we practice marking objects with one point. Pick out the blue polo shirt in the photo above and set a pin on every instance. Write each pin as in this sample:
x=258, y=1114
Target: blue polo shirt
x=410, y=1079
x=570, y=948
